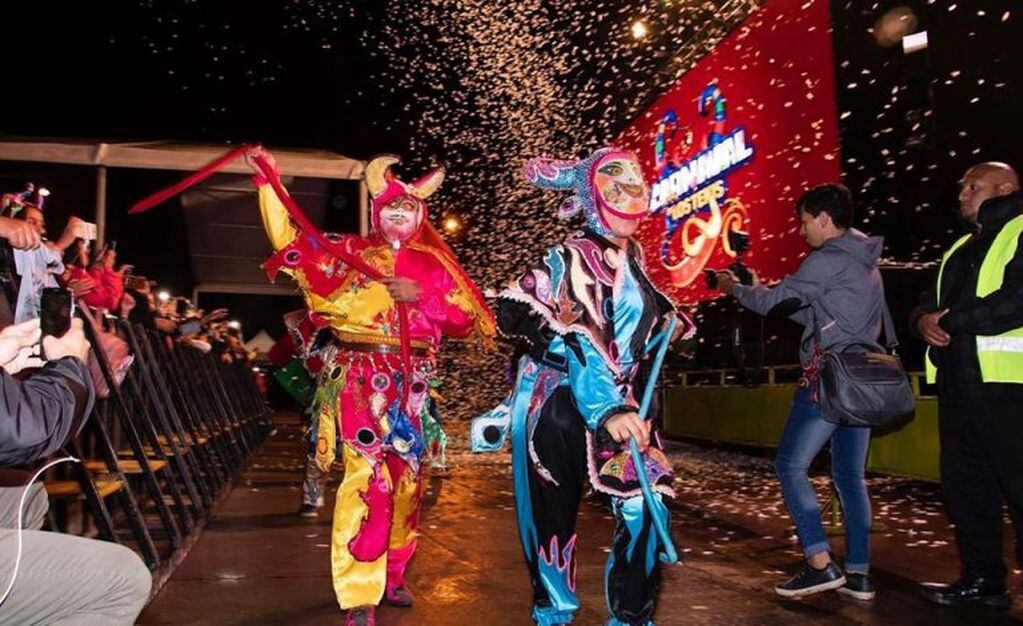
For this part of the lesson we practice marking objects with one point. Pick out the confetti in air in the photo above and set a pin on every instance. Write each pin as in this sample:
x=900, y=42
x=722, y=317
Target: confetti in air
x=480, y=86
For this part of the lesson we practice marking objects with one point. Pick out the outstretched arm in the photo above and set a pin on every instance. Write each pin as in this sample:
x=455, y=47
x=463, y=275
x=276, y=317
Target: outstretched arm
x=792, y=295
x=276, y=220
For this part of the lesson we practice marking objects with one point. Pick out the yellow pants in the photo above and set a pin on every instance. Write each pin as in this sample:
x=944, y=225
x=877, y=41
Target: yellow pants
x=376, y=518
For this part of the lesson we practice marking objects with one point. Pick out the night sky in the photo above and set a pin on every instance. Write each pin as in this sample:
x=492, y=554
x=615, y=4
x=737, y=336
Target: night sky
x=478, y=87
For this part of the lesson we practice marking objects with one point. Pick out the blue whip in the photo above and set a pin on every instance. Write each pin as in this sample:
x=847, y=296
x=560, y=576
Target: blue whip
x=670, y=555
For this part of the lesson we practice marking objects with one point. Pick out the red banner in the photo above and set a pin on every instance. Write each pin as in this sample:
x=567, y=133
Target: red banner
x=733, y=144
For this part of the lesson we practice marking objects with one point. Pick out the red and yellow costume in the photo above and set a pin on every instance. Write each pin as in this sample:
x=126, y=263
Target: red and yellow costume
x=370, y=393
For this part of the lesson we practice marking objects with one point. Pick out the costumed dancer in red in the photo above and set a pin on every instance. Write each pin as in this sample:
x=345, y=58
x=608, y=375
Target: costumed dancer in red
x=370, y=390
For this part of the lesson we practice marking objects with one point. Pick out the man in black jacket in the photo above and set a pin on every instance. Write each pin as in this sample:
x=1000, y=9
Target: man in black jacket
x=61, y=578
x=973, y=323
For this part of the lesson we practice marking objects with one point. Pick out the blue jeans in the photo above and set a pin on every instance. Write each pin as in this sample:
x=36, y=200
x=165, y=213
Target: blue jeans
x=805, y=433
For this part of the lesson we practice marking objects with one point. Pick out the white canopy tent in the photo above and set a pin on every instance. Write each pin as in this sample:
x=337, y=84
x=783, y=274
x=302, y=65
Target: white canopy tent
x=185, y=157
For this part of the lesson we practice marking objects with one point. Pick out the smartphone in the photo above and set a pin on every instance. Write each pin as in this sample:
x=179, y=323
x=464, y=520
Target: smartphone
x=102, y=252
x=87, y=231
x=136, y=283
x=55, y=311
x=190, y=327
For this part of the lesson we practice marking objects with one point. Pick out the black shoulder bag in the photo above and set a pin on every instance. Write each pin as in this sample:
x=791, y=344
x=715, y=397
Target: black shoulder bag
x=864, y=388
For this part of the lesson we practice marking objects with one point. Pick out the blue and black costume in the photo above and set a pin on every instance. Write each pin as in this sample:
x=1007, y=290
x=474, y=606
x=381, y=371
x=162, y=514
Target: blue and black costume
x=578, y=374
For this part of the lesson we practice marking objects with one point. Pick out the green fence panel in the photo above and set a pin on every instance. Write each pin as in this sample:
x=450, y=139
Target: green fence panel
x=754, y=416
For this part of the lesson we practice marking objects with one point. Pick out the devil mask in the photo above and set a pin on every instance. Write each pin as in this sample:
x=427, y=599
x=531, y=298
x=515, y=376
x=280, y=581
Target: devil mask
x=398, y=208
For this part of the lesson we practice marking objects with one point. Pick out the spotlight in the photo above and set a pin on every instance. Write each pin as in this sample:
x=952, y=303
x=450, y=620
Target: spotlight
x=163, y=296
x=915, y=42
x=639, y=29
x=452, y=225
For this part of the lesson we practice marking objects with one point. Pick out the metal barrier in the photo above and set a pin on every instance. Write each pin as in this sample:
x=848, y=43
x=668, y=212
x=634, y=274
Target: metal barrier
x=716, y=406
x=161, y=449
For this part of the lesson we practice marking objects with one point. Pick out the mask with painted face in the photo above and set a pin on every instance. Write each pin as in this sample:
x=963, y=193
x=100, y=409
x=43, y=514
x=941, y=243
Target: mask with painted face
x=398, y=208
x=609, y=182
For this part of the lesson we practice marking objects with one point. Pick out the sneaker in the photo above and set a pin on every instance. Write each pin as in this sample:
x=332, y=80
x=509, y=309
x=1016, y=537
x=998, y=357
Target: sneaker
x=361, y=616
x=307, y=510
x=857, y=586
x=809, y=581
x=400, y=596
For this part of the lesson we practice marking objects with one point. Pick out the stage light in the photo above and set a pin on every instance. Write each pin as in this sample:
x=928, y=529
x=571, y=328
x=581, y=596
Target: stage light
x=452, y=225
x=639, y=29
x=163, y=296
x=234, y=324
x=915, y=42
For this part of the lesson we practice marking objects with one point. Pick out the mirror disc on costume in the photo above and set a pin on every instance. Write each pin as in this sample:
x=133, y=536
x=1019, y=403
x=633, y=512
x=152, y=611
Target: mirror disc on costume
x=366, y=436
x=492, y=434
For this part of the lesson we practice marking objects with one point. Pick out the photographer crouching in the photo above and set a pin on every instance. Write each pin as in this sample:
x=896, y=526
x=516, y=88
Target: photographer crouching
x=838, y=297
x=61, y=579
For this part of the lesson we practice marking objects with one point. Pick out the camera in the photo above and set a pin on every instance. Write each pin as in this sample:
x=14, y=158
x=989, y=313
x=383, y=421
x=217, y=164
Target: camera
x=711, y=278
x=739, y=242
x=135, y=282
x=746, y=334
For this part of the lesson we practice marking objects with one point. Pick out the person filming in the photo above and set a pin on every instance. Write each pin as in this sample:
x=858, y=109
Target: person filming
x=837, y=296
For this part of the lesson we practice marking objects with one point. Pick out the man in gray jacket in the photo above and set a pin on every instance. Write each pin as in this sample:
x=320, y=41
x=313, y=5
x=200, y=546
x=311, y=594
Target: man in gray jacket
x=838, y=297
x=62, y=579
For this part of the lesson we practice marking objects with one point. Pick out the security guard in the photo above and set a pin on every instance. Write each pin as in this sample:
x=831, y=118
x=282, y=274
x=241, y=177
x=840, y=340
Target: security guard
x=973, y=323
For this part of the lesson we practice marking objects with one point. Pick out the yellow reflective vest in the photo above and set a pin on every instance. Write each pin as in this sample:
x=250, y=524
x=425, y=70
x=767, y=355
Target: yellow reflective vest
x=1000, y=356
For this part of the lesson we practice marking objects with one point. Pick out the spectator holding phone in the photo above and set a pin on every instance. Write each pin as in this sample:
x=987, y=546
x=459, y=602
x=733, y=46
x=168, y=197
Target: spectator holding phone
x=39, y=266
x=108, y=283
x=98, y=284
x=61, y=578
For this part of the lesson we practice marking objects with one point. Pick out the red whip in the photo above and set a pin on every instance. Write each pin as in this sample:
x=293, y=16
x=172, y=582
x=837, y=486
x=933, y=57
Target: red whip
x=202, y=174
x=303, y=224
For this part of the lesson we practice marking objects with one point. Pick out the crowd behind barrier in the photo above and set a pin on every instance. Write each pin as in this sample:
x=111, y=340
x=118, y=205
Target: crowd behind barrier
x=163, y=443
x=158, y=417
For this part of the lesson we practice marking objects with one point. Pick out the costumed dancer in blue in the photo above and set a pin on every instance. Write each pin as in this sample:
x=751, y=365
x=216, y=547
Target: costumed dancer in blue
x=587, y=314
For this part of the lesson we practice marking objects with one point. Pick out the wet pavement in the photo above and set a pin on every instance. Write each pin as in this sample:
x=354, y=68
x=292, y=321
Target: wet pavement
x=258, y=563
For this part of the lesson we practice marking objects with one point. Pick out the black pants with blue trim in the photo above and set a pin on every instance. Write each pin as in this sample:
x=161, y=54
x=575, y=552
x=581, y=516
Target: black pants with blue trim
x=547, y=521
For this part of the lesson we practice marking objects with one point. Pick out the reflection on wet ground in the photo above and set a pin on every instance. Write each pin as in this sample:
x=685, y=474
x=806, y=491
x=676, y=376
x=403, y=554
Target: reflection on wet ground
x=258, y=563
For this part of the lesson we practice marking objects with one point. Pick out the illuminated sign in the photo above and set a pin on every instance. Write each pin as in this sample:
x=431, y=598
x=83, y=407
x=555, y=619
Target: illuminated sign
x=691, y=191
x=733, y=143
x=712, y=163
